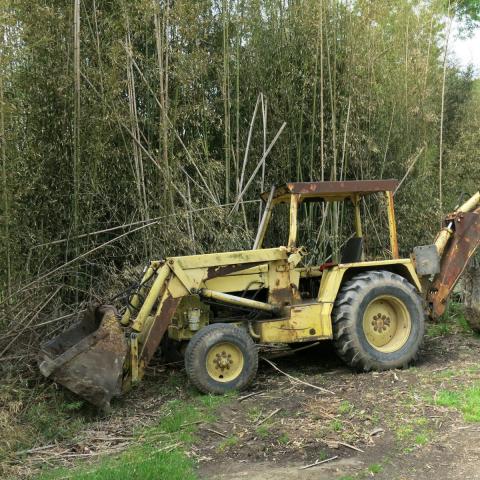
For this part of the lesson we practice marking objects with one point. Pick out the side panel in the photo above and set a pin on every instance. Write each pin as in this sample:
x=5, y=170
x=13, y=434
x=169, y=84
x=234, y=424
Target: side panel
x=332, y=280
x=305, y=324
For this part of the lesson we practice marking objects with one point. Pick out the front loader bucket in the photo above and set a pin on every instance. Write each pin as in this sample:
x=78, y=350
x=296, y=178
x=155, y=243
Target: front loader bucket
x=88, y=358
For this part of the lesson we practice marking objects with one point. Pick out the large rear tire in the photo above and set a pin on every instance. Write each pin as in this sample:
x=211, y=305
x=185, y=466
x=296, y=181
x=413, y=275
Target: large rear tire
x=378, y=321
x=221, y=357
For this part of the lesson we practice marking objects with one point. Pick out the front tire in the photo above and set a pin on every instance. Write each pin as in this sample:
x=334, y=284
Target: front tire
x=221, y=357
x=378, y=321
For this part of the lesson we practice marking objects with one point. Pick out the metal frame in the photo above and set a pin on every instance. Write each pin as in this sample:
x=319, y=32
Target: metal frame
x=354, y=190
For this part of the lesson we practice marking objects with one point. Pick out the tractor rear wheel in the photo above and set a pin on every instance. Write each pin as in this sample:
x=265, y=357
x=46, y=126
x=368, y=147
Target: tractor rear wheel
x=221, y=357
x=378, y=321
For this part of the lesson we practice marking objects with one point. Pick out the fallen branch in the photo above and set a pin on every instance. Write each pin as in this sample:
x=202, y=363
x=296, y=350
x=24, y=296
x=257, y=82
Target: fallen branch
x=241, y=399
x=351, y=446
x=191, y=423
x=37, y=449
x=294, y=379
x=318, y=463
x=269, y=416
x=215, y=431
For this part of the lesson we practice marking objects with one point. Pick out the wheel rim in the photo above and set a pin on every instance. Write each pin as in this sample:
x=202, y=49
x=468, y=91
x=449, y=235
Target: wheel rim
x=224, y=362
x=387, y=324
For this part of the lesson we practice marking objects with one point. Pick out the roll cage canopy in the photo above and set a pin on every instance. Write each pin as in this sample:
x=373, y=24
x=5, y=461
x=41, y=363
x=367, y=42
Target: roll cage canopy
x=329, y=191
x=295, y=193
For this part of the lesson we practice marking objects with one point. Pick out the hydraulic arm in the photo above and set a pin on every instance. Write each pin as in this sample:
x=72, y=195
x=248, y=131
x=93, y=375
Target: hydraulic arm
x=454, y=246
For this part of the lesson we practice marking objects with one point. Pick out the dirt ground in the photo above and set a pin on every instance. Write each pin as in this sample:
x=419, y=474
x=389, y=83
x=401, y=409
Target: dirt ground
x=385, y=425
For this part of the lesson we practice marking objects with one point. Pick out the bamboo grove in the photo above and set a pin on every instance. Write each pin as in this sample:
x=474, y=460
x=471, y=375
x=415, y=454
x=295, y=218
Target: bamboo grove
x=135, y=129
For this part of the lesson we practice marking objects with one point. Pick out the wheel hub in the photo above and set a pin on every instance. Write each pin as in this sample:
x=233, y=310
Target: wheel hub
x=380, y=322
x=387, y=323
x=224, y=362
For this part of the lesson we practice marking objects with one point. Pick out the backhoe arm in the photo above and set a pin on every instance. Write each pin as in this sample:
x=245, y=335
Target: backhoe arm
x=456, y=244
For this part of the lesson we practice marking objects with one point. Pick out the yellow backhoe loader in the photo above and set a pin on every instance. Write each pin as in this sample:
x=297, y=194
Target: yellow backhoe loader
x=218, y=308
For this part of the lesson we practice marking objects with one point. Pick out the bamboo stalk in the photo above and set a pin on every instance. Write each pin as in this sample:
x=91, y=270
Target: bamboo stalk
x=247, y=148
x=6, y=202
x=76, y=125
x=322, y=128
x=257, y=168
x=442, y=112
x=226, y=94
x=264, y=149
x=161, y=37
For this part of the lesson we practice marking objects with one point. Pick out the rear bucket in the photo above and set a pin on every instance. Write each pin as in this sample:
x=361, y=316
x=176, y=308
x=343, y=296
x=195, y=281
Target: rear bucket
x=88, y=358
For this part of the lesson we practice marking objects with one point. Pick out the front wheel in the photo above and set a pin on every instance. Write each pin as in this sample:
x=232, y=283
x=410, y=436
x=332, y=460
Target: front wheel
x=378, y=321
x=220, y=358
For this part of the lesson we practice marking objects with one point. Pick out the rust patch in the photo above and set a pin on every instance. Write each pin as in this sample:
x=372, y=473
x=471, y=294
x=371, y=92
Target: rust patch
x=213, y=272
x=360, y=187
x=281, y=296
x=457, y=253
x=160, y=325
x=88, y=358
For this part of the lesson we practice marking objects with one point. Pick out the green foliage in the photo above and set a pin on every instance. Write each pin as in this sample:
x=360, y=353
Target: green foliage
x=140, y=463
x=467, y=401
x=375, y=468
x=159, y=450
x=229, y=442
x=336, y=425
x=453, y=320
x=468, y=9
x=263, y=431
x=345, y=407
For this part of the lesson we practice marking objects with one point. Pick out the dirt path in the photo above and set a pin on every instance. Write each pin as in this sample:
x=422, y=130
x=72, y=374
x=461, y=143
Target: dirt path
x=395, y=418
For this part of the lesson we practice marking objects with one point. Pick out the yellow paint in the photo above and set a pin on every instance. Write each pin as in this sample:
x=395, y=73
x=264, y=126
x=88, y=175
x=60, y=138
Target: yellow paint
x=470, y=204
x=224, y=362
x=387, y=324
x=135, y=299
x=305, y=323
x=292, y=236
x=392, y=226
x=238, y=283
x=134, y=367
x=235, y=300
x=155, y=291
x=231, y=258
x=179, y=329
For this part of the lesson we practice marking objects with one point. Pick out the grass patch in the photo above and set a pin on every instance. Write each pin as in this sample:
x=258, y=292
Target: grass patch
x=336, y=425
x=229, y=442
x=421, y=439
x=146, y=463
x=159, y=452
x=375, y=468
x=263, y=431
x=404, y=432
x=452, y=321
x=283, y=439
x=32, y=415
x=466, y=401
x=253, y=414
x=345, y=407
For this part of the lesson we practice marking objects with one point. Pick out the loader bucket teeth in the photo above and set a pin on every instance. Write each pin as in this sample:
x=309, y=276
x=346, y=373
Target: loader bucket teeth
x=88, y=358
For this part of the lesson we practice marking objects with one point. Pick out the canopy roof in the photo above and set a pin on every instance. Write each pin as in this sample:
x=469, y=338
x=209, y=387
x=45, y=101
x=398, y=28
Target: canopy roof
x=330, y=191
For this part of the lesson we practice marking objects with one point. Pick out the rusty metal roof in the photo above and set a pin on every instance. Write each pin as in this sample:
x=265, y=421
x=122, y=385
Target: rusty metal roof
x=333, y=190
